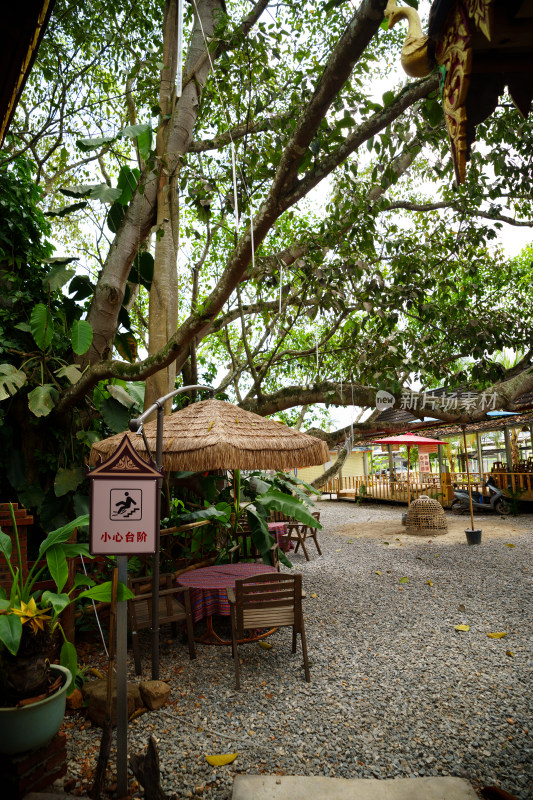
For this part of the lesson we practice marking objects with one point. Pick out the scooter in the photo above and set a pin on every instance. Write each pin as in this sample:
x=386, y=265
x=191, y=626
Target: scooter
x=495, y=501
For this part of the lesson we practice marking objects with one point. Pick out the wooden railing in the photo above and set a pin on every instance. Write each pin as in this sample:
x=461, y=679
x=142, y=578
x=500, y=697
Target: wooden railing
x=439, y=487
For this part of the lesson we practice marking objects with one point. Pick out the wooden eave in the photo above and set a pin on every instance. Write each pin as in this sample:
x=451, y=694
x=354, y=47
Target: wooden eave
x=24, y=24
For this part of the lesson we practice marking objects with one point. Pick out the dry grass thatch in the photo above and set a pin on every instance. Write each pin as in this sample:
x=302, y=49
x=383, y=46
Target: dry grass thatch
x=214, y=435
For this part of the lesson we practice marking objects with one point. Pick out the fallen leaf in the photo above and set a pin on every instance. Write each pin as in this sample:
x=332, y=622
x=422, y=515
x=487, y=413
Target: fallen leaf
x=314, y=594
x=338, y=549
x=510, y=720
x=220, y=760
x=437, y=555
x=462, y=627
x=251, y=733
x=404, y=580
x=508, y=544
x=265, y=645
x=497, y=635
x=385, y=542
x=430, y=583
x=350, y=541
x=461, y=608
x=509, y=653
x=378, y=572
x=397, y=539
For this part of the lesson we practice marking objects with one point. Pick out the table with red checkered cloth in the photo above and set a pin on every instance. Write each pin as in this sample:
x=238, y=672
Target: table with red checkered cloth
x=281, y=534
x=208, y=586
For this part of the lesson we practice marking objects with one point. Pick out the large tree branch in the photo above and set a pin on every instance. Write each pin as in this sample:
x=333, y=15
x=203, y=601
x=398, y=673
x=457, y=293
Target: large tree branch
x=238, y=132
x=361, y=134
x=408, y=206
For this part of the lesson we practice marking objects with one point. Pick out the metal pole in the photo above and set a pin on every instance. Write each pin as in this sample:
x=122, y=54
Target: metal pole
x=122, y=684
x=408, y=486
x=155, y=563
x=468, y=479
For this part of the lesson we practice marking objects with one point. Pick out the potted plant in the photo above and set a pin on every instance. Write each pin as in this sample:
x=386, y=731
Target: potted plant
x=33, y=689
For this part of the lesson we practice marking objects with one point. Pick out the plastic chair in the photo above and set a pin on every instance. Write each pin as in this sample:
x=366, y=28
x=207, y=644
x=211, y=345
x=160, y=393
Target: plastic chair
x=263, y=601
x=174, y=607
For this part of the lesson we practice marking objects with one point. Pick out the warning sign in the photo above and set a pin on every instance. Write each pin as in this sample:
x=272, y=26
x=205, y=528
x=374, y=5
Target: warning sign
x=124, y=504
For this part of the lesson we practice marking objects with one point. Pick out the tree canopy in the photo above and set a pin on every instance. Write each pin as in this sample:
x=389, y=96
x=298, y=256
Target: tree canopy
x=286, y=230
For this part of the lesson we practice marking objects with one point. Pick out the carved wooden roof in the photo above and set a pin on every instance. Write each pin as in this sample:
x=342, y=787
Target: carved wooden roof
x=485, y=46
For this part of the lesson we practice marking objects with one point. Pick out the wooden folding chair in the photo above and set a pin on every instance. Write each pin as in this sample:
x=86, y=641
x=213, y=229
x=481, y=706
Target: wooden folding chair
x=174, y=607
x=267, y=600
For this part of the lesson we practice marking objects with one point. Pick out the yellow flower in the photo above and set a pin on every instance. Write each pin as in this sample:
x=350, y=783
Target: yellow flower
x=36, y=617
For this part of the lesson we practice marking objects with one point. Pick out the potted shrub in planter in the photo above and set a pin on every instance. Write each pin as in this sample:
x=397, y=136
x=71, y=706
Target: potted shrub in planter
x=32, y=689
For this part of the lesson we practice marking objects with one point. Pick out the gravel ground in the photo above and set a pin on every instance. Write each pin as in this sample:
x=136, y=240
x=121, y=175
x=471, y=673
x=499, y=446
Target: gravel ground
x=395, y=691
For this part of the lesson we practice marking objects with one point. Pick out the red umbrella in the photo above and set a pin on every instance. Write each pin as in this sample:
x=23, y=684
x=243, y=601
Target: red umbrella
x=410, y=440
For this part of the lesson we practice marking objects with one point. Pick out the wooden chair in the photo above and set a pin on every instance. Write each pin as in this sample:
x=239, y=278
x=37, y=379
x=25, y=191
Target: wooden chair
x=263, y=601
x=174, y=607
x=299, y=533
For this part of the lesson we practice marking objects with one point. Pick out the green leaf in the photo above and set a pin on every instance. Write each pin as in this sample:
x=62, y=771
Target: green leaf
x=58, y=601
x=57, y=564
x=115, y=215
x=63, y=533
x=76, y=549
x=143, y=134
x=68, y=658
x=104, y=193
x=261, y=536
x=115, y=415
x=142, y=270
x=58, y=277
x=388, y=98
x=102, y=593
x=82, y=287
x=6, y=545
x=121, y=395
x=288, y=505
x=86, y=145
x=60, y=261
x=127, y=183
x=81, y=336
x=126, y=345
x=10, y=632
x=42, y=328
x=62, y=212
x=67, y=480
x=404, y=580
x=203, y=513
x=42, y=399
x=82, y=190
x=11, y=380
x=83, y=580
x=69, y=371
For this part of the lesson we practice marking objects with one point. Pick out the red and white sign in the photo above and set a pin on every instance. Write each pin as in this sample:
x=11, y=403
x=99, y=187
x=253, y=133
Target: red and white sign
x=124, y=514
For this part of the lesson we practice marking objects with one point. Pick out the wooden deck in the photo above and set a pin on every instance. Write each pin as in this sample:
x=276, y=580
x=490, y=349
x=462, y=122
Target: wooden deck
x=440, y=487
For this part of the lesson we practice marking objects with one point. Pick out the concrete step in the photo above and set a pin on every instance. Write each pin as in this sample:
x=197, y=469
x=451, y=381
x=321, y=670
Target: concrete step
x=303, y=787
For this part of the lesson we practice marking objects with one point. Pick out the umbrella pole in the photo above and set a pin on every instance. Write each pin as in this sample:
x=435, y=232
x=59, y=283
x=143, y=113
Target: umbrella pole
x=408, y=484
x=468, y=479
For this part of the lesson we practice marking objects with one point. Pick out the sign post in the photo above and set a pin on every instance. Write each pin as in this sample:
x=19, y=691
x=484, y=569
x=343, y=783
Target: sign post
x=124, y=521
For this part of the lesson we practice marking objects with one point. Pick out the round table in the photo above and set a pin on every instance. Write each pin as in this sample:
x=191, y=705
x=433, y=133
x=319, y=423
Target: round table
x=207, y=588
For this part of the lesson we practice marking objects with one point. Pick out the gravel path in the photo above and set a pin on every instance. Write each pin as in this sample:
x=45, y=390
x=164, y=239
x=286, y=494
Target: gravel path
x=395, y=691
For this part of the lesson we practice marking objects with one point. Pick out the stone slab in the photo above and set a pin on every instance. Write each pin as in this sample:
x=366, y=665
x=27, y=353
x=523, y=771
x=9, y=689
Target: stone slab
x=304, y=787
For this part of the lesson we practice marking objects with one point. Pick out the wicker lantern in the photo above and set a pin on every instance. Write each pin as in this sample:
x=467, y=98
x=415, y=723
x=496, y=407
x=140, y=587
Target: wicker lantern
x=426, y=517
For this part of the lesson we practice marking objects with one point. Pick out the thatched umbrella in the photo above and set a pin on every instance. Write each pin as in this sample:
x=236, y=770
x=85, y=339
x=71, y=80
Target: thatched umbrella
x=212, y=435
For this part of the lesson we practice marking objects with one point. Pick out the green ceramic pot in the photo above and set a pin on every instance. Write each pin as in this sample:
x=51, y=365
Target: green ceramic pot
x=33, y=726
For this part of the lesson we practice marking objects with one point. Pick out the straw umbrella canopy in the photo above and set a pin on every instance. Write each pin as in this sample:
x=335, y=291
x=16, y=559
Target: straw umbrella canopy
x=410, y=440
x=212, y=435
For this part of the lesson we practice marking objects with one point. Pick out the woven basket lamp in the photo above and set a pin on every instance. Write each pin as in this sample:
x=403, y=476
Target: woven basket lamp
x=426, y=517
